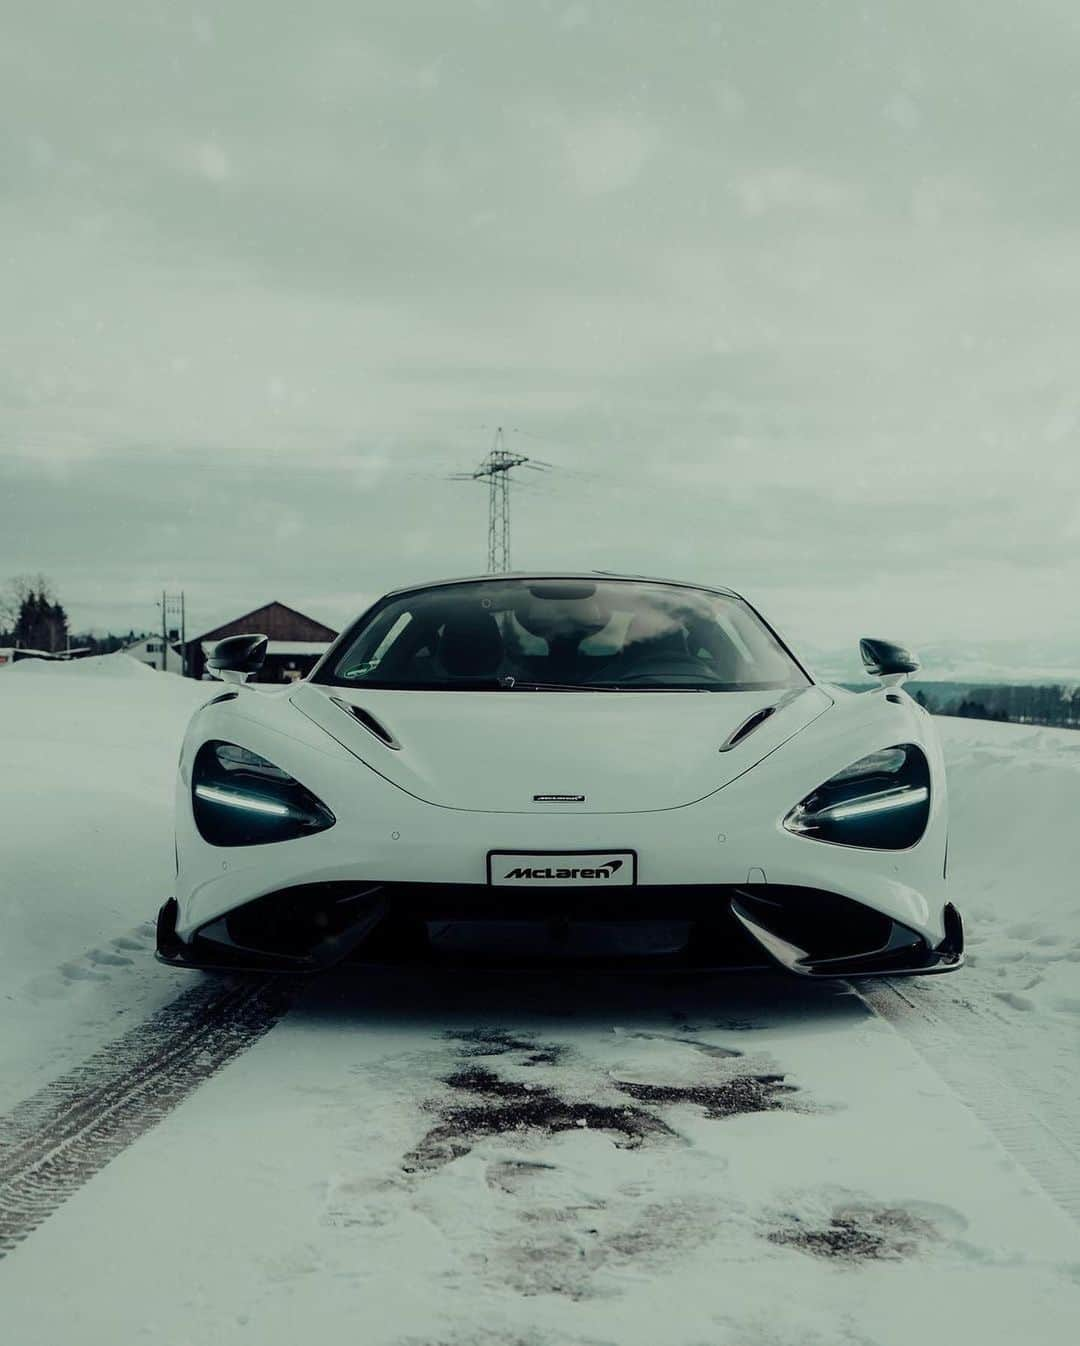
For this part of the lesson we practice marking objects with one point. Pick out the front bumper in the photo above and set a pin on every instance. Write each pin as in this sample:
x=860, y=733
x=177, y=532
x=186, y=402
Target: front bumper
x=750, y=927
x=747, y=891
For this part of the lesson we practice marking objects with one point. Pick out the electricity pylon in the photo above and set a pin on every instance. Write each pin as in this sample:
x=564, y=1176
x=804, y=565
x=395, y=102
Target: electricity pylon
x=495, y=469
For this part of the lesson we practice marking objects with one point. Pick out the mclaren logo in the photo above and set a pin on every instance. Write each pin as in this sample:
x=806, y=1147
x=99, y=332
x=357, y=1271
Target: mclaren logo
x=603, y=871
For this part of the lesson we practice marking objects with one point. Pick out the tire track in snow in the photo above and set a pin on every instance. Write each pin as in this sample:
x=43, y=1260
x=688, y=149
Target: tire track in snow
x=962, y=1039
x=52, y=1143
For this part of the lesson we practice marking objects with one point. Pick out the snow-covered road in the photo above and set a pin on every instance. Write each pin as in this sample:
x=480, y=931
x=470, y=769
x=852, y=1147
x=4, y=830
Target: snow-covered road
x=553, y=1158
x=557, y=1162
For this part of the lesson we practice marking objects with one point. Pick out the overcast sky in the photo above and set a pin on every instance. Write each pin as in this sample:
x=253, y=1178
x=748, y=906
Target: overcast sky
x=791, y=292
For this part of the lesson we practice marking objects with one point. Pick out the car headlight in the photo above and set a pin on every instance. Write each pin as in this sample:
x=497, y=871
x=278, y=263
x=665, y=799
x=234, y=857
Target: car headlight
x=882, y=802
x=240, y=799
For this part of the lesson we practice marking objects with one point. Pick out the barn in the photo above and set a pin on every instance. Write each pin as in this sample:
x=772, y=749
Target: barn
x=296, y=642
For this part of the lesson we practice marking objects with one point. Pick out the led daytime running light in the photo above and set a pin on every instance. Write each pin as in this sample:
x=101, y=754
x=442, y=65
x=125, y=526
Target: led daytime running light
x=241, y=801
x=858, y=808
x=879, y=803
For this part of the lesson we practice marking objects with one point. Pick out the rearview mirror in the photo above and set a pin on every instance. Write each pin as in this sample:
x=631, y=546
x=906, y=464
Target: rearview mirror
x=237, y=657
x=891, y=663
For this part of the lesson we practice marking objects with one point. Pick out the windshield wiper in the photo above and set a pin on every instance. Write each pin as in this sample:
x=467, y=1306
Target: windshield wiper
x=508, y=683
x=512, y=684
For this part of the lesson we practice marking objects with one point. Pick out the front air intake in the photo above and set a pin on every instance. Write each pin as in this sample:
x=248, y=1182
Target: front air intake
x=370, y=723
x=747, y=727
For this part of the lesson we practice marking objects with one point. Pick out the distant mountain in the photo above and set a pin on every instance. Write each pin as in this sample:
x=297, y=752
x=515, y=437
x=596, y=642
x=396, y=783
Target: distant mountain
x=987, y=661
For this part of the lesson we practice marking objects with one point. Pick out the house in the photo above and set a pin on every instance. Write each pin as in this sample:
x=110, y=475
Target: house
x=13, y=654
x=148, y=651
x=296, y=642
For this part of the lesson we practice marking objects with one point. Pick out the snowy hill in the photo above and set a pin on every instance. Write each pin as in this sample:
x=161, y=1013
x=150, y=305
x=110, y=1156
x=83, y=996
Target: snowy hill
x=88, y=769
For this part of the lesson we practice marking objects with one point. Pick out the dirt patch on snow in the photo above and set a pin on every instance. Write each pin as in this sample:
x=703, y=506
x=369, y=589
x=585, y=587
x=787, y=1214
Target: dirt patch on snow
x=860, y=1233
x=503, y=1106
x=483, y=1104
x=740, y=1093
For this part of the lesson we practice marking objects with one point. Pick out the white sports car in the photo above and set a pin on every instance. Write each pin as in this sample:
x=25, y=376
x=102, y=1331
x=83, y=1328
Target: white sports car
x=581, y=767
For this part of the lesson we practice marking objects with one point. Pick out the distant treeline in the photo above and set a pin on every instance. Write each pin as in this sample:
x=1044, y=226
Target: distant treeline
x=1018, y=704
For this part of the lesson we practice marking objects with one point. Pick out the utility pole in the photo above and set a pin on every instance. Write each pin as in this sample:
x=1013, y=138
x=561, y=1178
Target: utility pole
x=173, y=605
x=495, y=469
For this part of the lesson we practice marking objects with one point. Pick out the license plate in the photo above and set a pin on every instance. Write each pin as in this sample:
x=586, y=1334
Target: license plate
x=562, y=869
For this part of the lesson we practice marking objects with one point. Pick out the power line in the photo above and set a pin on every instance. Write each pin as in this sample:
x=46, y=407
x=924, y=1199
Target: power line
x=495, y=469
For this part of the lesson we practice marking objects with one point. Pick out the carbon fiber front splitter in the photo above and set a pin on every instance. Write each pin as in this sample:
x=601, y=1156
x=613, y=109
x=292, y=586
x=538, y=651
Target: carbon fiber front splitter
x=804, y=931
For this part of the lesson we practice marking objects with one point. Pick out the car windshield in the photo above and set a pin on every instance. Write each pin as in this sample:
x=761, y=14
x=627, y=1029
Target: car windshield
x=563, y=635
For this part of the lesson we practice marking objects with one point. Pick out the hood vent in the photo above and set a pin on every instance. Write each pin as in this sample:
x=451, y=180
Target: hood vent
x=747, y=727
x=370, y=723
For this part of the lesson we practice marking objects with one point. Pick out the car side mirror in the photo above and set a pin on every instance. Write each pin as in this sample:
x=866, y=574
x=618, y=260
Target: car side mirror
x=236, y=657
x=891, y=663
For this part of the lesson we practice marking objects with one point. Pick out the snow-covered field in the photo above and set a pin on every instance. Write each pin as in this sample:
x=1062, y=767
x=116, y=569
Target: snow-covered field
x=536, y=1160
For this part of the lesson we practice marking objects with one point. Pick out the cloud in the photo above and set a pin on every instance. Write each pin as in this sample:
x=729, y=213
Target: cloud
x=792, y=300
x=795, y=189
x=608, y=154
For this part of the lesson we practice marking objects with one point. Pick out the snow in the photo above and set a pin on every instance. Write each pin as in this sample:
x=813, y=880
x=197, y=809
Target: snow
x=87, y=768
x=1014, y=794
x=119, y=665
x=86, y=781
x=353, y=1172
x=274, y=1204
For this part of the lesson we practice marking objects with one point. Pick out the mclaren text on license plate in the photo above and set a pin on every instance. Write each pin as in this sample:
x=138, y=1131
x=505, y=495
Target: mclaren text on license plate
x=532, y=869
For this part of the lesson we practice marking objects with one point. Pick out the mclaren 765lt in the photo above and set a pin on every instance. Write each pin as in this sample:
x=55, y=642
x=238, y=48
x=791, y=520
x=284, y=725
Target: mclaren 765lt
x=576, y=767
